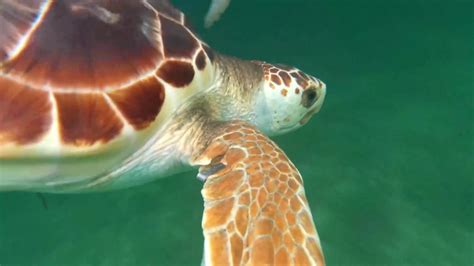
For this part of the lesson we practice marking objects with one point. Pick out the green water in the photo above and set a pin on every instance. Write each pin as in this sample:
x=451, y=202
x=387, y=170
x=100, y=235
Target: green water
x=388, y=163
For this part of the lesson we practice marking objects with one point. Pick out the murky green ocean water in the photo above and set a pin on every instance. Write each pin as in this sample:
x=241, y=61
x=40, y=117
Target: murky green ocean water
x=388, y=163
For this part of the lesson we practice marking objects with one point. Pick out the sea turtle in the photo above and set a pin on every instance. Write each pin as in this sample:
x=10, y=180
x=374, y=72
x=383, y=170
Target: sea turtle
x=106, y=94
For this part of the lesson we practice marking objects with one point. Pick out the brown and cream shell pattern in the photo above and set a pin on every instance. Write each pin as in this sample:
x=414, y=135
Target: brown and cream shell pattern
x=77, y=75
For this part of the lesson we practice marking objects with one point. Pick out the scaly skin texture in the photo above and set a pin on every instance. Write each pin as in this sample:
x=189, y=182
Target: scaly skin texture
x=256, y=212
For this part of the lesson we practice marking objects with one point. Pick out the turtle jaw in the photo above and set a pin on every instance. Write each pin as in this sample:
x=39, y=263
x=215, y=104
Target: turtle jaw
x=307, y=117
x=321, y=95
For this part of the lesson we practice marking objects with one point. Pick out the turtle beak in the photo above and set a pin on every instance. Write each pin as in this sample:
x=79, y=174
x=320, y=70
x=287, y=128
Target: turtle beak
x=307, y=117
x=321, y=94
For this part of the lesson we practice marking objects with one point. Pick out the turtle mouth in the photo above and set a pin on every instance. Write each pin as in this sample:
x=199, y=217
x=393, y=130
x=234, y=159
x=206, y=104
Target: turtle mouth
x=308, y=116
x=287, y=129
x=317, y=106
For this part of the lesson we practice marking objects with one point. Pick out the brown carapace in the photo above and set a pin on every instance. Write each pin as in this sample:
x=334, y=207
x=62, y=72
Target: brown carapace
x=87, y=69
x=255, y=211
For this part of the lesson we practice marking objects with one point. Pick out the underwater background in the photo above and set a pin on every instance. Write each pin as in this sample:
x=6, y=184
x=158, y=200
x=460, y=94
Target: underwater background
x=387, y=163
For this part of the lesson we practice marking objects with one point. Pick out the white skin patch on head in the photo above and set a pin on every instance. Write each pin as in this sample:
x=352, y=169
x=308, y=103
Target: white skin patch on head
x=291, y=95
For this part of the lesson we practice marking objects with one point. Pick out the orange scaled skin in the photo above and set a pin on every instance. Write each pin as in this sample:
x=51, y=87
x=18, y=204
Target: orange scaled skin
x=256, y=212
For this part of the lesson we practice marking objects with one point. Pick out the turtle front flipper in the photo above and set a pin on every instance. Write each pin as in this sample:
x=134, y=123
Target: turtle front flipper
x=255, y=209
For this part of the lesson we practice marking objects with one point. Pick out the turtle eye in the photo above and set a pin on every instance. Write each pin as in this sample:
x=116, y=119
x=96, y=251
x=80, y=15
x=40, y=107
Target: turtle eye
x=309, y=97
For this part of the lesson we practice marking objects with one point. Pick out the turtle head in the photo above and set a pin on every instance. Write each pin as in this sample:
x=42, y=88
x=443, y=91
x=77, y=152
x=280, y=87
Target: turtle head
x=288, y=99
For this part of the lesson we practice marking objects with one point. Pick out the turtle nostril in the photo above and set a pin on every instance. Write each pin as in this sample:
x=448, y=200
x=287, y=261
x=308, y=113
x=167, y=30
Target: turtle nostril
x=309, y=97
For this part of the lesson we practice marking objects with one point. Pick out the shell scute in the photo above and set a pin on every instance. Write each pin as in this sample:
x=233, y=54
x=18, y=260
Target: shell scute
x=165, y=8
x=176, y=73
x=15, y=20
x=86, y=45
x=178, y=41
x=200, y=60
x=86, y=118
x=84, y=73
x=24, y=113
x=141, y=102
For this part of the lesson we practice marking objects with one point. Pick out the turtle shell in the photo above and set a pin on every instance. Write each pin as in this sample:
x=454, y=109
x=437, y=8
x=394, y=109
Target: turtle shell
x=80, y=75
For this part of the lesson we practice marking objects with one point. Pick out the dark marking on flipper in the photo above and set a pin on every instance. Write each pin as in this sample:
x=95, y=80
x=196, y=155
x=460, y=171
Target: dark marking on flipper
x=210, y=170
x=214, y=167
